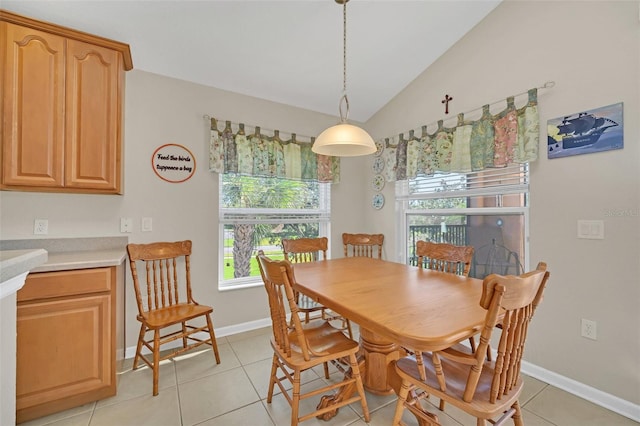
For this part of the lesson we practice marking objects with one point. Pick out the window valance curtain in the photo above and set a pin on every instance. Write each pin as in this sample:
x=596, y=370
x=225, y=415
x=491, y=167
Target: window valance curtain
x=508, y=137
x=234, y=150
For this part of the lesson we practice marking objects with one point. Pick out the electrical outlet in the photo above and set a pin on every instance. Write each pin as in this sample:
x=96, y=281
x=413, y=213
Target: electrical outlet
x=126, y=224
x=588, y=329
x=40, y=226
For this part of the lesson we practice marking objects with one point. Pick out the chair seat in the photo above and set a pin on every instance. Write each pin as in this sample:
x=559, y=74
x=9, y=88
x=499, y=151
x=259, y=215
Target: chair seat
x=175, y=314
x=322, y=339
x=456, y=378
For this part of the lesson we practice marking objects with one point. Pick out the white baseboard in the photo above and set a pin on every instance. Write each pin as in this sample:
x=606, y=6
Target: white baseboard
x=598, y=397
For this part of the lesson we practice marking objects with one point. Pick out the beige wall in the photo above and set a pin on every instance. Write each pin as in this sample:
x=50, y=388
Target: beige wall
x=593, y=56
x=160, y=110
x=591, y=50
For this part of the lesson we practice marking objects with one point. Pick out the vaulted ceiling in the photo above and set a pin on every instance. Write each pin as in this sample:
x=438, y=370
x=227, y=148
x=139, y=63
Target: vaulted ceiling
x=284, y=51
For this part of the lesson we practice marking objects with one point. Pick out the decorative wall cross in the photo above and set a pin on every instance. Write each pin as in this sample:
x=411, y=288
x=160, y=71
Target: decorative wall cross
x=445, y=101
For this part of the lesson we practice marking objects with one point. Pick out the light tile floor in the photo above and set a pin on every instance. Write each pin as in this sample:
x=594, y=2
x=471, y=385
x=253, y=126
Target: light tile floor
x=196, y=391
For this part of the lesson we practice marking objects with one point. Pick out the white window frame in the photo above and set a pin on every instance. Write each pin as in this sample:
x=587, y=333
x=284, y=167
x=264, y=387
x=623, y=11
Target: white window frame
x=228, y=216
x=402, y=198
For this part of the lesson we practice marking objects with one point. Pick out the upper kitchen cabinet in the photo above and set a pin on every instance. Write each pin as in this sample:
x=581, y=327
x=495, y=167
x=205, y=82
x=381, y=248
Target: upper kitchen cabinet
x=62, y=116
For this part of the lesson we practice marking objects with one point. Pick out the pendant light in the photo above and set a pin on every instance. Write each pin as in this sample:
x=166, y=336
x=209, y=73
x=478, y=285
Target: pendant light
x=343, y=139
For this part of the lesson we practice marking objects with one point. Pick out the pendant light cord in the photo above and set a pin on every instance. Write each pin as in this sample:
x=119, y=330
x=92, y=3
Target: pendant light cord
x=344, y=116
x=344, y=47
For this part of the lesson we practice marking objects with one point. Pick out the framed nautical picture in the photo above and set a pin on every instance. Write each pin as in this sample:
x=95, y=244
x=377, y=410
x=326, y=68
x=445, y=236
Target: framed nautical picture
x=585, y=132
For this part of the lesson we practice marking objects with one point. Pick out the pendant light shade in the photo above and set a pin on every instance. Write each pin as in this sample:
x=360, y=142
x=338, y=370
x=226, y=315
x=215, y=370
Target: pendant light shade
x=343, y=139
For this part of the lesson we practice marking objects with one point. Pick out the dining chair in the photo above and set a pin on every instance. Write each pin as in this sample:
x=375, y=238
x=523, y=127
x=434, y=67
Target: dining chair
x=164, y=299
x=542, y=266
x=448, y=258
x=444, y=257
x=469, y=381
x=299, y=346
x=362, y=245
x=301, y=250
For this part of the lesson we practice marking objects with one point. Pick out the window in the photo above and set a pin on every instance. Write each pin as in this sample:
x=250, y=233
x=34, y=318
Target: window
x=257, y=213
x=487, y=209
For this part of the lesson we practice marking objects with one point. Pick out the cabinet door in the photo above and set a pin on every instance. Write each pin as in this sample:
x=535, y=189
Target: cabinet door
x=93, y=117
x=65, y=357
x=33, y=106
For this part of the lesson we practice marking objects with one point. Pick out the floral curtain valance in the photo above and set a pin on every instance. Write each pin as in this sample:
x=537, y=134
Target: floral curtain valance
x=232, y=150
x=508, y=137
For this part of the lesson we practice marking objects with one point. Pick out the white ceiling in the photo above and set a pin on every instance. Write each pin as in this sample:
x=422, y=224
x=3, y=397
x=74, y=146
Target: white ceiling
x=284, y=51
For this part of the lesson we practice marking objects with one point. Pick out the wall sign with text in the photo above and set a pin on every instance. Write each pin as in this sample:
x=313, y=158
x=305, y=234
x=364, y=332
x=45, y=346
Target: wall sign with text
x=173, y=163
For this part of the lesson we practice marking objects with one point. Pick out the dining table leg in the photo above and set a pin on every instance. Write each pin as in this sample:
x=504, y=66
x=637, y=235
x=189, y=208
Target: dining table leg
x=377, y=368
x=379, y=354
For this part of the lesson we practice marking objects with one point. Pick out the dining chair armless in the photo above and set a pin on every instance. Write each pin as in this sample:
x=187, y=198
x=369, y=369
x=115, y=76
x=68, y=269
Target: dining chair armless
x=298, y=347
x=363, y=245
x=302, y=250
x=482, y=388
x=444, y=257
x=448, y=258
x=164, y=299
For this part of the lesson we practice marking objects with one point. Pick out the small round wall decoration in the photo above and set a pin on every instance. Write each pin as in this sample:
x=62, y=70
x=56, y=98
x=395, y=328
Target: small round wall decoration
x=378, y=201
x=378, y=165
x=377, y=183
x=173, y=163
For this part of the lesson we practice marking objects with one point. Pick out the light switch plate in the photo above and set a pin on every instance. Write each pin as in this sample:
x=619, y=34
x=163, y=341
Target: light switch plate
x=591, y=229
x=147, y=224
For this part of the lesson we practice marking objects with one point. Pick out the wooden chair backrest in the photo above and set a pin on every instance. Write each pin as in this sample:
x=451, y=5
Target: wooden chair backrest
x=542, y=266
x=363, y=245
x=167, y=277
x=278, y=279
x=301, y=250
x=444, y=257
x=512, y=298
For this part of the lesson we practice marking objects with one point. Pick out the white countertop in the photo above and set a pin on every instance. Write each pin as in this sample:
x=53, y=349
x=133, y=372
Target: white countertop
x=81, y=260
x=15, y=265
x=16, y=262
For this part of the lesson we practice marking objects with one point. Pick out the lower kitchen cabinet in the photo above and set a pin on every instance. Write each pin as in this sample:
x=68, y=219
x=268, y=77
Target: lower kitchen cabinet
x=66, y=340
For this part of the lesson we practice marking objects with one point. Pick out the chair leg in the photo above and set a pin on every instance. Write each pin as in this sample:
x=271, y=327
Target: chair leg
x=326, y=370
x=184, y=334
x=272, y=378
x=349, y=329
x=402, y=396
x=214, y=343
x=295, y=400
x=156, y=360
x=440, y=376
x=517, y=416
x=143, y=330
x=355, y=371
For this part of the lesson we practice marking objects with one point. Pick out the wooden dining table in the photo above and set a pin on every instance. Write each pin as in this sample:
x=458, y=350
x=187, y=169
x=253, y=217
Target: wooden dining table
x=396, y=306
